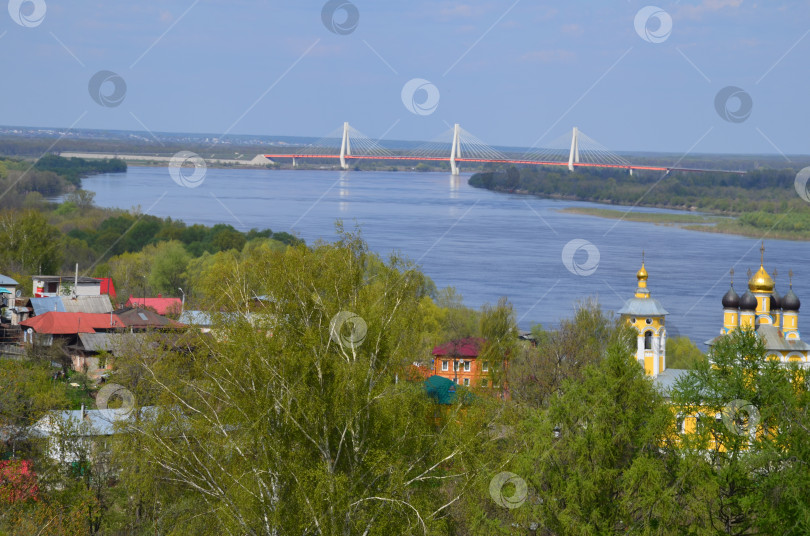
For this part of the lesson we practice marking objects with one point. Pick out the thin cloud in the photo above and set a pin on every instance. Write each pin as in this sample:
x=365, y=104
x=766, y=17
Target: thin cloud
x=707, y=6
x=572, y=29
x=549, y=56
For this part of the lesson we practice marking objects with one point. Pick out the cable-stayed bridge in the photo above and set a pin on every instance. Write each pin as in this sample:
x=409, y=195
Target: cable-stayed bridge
x=457, y=146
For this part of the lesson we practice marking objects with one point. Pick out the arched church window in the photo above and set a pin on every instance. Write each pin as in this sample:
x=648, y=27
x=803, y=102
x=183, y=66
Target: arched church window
x=648, y=340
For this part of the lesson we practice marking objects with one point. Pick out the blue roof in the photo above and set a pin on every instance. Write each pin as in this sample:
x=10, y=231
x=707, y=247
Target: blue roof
x=197, y=318
x=45, y=305
x=96, y=422
x=643, y=307
x=6, y=280
x=667, y=379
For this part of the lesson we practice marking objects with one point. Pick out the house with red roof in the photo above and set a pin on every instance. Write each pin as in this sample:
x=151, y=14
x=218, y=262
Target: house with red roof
x=59, y=323
x=67, y=328
x=460, y=361
x=160, y=304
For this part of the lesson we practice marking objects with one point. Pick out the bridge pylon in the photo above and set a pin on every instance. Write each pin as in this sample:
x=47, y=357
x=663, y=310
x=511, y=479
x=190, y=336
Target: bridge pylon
x=455, y=151
x=573, y=155
x=345, y=147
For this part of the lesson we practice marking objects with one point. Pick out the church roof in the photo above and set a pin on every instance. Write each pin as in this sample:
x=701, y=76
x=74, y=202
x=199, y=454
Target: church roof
x=643, y=307
x=666, y=380
x=774, y=340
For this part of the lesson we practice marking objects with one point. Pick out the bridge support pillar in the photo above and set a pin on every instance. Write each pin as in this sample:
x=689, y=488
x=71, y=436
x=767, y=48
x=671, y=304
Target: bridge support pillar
x=455, y=151
x=345, y=147
x=573, y=155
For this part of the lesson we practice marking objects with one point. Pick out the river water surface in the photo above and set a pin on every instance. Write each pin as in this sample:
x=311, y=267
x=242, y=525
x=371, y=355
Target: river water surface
x=483, y=243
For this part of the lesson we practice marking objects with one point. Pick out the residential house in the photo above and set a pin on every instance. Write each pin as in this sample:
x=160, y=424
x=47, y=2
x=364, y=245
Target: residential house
x=87, y=304
x=67, y=285
x=459, y=362
x=139, y=318
x=95, y=352
x=160, y=305
x=66, y=327
x=199, y=319
x=88, y=432
x=31, y=307
x=8, y=298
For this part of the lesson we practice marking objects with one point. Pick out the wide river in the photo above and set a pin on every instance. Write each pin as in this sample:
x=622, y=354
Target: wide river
x=484, y=244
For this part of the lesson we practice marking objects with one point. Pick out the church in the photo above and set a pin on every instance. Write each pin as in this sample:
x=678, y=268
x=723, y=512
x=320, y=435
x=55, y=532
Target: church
x=773, y=317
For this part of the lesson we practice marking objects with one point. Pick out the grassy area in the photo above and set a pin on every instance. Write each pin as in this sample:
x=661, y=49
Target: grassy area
x=80, y=395
x=646, y=217
x=692, y=222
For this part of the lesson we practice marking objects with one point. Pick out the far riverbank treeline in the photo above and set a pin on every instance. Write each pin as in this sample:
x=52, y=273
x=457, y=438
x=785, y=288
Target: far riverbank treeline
x=761, y=200
x=143, y=253
x=24, y=182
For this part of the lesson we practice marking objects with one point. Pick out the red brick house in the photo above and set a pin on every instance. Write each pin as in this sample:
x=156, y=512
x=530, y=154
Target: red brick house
x=459, y=361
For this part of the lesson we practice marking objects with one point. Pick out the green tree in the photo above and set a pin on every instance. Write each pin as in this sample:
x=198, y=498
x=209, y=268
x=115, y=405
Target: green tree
x=30, y=244
x=169, y=263
x=594, y=458
x=537, y=374
x=750, y=428
x=682, y=353
x=292, y=420
x=83, y=199
x=27, y=393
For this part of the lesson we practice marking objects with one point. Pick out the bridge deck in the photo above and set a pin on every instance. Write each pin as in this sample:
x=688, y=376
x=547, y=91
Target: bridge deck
x=503, y=161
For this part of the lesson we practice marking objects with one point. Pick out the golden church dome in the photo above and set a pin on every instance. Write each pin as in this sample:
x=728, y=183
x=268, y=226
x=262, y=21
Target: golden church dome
x=642, y=274
x=761, y=281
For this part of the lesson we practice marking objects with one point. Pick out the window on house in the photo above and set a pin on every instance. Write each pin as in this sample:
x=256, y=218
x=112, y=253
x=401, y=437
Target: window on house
x=466, y=381
x=455, y=366
x=445, y=365
x=485, y=366
x=466, y=366
x=648, y=340
x=484, y=382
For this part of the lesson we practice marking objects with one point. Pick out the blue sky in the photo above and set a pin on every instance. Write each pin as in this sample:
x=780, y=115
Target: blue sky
x=512, y=73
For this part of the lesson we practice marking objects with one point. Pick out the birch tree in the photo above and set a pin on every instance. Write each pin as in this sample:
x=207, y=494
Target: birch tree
x=290, y=419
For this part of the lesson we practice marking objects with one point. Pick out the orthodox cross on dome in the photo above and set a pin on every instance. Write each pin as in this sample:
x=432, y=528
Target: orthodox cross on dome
x=749, y=273
x=732, y=276
x=775, y=273
x=642, y=256
x=762, y=254
x=790, y=276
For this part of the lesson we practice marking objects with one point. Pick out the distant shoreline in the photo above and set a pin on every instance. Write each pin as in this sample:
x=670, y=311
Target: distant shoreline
x=139, y=159
x=708, y=223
